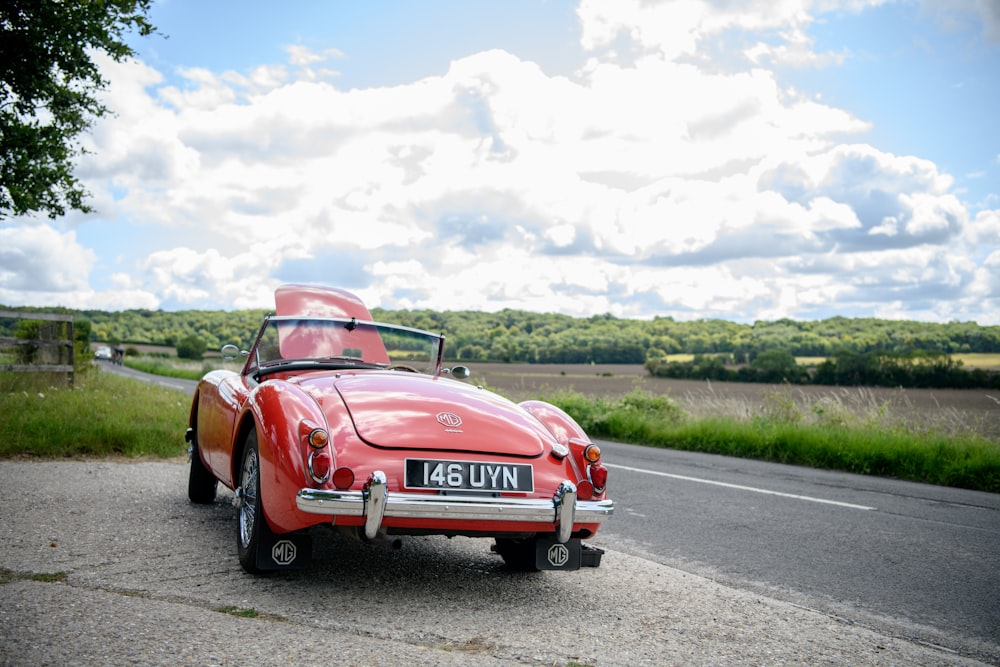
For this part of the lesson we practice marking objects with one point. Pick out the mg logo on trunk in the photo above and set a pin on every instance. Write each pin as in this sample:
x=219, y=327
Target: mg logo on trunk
x=449, y=419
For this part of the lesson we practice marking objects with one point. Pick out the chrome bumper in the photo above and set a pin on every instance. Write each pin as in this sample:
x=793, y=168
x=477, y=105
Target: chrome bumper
x=375, y=502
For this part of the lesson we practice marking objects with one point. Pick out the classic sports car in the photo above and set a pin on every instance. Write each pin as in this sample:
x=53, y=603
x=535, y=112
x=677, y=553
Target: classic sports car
x=339, y=420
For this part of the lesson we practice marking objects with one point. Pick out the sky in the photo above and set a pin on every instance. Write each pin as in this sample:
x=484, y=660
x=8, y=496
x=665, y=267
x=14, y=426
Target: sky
x=735, y=159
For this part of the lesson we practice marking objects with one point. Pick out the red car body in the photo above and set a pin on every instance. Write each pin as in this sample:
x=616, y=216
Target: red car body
x=340, y=421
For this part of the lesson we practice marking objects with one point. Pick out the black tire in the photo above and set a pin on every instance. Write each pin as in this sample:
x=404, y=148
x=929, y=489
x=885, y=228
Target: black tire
x=251, y=526
x=518, y=554
x=201, y=482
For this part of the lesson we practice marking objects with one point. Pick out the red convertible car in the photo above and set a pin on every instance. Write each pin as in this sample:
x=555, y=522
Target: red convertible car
x=340, y=421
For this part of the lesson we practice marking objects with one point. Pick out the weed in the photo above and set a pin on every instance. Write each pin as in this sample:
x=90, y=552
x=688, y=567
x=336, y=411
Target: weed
x=7, y=576
x=238, y=611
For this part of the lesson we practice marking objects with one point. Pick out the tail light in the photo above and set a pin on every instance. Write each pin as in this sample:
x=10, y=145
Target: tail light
x=598, y=476
x=319, y=466
x=318, y=438
x=319, y=459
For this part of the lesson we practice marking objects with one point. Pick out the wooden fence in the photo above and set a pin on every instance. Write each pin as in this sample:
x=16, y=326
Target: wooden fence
x=49, y=351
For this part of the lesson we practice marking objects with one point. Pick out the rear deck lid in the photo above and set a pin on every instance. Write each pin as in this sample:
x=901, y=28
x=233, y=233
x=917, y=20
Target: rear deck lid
x=396, y=410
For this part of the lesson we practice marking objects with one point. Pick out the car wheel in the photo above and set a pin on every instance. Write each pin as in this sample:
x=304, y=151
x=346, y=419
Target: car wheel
x=201, y=482
x=251, y=529
x=518, y=554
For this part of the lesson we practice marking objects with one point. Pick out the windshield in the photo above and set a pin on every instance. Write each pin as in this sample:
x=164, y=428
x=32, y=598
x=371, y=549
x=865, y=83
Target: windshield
x=345, y=343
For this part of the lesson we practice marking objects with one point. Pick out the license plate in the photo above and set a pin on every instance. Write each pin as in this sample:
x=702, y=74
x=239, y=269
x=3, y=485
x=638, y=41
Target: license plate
x=469, y=476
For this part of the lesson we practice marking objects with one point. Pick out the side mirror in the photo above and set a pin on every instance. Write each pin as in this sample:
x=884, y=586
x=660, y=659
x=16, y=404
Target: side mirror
x=230, y=352
x=460, y=372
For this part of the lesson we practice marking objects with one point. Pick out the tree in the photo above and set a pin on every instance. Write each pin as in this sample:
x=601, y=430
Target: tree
x=776, y=365
x=191, y=347
x=48, y=82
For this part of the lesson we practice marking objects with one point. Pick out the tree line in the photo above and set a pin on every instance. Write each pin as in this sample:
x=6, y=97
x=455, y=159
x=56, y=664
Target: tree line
x=516, y=336
x=873, y=368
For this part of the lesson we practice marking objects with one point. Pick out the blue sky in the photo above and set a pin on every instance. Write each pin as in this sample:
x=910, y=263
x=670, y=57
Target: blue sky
x=692, y=158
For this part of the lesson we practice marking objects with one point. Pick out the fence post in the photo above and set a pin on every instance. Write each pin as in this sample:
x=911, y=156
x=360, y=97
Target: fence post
x=37, y=358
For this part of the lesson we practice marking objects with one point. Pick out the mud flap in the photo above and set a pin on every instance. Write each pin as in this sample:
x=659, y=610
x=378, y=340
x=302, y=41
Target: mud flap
x=551, y=555
x=292, y=551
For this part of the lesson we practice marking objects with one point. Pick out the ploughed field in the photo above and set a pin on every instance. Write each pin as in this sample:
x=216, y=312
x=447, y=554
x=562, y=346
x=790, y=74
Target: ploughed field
x=945, y=410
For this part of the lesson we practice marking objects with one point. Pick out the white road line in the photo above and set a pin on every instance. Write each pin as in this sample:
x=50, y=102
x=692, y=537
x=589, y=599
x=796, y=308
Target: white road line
x=742, y=488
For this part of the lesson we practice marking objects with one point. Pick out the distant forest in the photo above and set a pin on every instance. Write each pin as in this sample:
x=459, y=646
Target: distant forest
x=520, y=336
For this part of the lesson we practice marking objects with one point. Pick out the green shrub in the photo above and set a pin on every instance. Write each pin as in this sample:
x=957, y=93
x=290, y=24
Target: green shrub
x=191, y=347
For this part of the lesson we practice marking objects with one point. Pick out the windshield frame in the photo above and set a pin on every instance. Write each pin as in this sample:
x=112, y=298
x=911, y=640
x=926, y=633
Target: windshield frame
x=257, y=367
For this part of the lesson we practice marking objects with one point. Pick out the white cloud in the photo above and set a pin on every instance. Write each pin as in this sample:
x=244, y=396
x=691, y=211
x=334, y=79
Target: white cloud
x=984, y=229
x=653, y=181
x=40, y=259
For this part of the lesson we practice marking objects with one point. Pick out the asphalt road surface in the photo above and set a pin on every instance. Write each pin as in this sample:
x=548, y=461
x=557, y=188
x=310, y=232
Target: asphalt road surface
x=913, y=560
x=107, y=563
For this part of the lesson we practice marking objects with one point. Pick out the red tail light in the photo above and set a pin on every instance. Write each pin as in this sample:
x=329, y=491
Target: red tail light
x=319, y=466
x=599, y=476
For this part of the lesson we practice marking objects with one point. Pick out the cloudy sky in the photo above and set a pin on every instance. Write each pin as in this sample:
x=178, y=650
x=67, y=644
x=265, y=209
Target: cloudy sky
x=736, y=159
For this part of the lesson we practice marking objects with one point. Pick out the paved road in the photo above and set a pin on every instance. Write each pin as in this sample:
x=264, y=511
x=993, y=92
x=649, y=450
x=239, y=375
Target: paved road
x=136, y=575
x=911, y=559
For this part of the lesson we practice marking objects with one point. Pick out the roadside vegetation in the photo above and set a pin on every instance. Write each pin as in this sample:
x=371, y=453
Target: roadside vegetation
x=853, y=436
x=107, y=415
x=104, y=415
x=179, y=368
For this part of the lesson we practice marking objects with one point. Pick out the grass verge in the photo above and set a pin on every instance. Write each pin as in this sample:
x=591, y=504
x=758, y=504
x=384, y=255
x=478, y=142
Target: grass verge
x=861, y=444
x=105, y=415
x=109, y=415
x=165, y=369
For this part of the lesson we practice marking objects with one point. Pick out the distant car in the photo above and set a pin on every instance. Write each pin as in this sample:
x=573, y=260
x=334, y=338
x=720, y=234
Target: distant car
x=341, y=421
x=103, y=352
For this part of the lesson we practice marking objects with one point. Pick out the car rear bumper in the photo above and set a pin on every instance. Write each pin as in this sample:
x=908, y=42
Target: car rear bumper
x=375, y=503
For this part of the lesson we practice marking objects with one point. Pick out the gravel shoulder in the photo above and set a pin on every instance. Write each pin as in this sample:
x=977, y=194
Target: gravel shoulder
x=146, y=578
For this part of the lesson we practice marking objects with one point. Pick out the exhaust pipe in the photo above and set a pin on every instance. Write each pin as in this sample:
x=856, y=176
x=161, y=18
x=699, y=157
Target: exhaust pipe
x=381, y=539
x=385, y=541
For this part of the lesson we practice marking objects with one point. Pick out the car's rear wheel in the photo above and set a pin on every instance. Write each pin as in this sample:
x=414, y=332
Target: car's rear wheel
x=252, y=528
x=518, y=554
x=201, y=482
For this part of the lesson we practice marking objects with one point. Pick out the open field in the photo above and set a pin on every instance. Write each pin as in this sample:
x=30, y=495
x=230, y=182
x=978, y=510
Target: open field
x=953, y=411
x=986, y=361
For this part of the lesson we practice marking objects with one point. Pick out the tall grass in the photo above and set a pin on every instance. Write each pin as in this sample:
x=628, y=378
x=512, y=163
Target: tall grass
x=871, y=441
x=105, y=415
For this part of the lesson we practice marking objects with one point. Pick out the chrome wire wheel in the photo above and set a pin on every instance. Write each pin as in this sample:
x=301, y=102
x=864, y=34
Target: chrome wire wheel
x=249, y=485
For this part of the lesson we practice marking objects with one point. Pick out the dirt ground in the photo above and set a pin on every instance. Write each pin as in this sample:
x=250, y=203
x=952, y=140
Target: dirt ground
x=951, y=410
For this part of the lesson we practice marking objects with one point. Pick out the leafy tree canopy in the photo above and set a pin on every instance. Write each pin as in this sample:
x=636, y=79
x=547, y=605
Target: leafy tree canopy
x=48, y=82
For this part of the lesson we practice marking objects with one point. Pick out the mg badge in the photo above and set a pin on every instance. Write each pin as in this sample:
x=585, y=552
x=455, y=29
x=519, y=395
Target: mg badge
x=283, y=552
x=449, y=419
x=558, y=555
